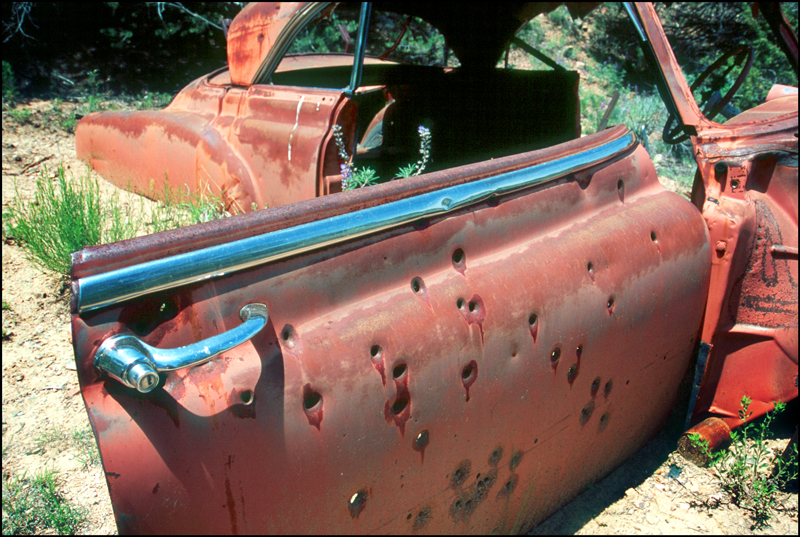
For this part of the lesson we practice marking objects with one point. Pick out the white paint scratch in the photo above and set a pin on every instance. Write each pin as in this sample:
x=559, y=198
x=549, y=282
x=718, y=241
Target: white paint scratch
x=296, y=123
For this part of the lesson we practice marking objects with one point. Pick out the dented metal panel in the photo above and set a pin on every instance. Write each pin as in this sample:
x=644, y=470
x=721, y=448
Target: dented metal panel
x=377, y=397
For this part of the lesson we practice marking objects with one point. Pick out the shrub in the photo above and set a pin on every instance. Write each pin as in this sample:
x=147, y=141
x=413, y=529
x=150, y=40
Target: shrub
x=745, y=469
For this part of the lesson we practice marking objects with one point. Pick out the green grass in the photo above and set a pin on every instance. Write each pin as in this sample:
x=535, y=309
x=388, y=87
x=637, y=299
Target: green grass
x=152, y=101
x=67, y=215
x=34, y=505
x=745, y=468
x=84, y=443
x=62, y=218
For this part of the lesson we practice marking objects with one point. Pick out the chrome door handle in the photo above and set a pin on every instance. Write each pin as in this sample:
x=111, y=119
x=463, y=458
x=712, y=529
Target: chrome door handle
x=136, y=364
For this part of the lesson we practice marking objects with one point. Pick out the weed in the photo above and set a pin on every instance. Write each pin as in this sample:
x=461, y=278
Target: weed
x=172, y=212
x=83, y=440
x=744, y=468
x=93, y=104
x=54, y=437
x=10, y=94
x=561, y=17
x=6, y=305
x=152, y=101
x=353, y=177
x=60, y=220
x=33, y=505
x=68, y=123
x=21, y=115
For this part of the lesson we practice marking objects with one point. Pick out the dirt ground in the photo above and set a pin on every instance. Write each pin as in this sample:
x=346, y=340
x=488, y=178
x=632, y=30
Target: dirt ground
x=42, y=404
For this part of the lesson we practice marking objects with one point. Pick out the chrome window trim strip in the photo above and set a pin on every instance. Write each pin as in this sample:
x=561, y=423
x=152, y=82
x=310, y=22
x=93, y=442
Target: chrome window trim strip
x=101, y=290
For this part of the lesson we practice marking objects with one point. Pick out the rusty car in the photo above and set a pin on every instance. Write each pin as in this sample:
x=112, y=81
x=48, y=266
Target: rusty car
x=461, y=350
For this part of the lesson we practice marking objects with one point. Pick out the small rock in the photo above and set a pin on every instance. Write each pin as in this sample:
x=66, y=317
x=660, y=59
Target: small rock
x=651, y=519
x=684, y=506
x=630, y=493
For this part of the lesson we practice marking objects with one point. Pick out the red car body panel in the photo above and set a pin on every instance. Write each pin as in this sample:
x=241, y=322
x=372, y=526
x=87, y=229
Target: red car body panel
x=470, y=370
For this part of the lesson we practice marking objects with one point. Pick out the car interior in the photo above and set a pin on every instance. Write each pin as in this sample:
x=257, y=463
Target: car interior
x=411, y=78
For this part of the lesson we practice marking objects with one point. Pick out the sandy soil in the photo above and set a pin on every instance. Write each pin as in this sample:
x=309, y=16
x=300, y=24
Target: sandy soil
x=42, y=404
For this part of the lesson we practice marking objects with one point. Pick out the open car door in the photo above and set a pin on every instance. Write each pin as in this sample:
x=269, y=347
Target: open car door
x=462, y=351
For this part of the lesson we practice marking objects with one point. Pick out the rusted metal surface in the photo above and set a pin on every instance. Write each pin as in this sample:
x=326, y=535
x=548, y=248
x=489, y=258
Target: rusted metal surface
x=456, y=374
x=252, y=34
x=712, y=431
x=748, y=196
x=117, y=255
x=256, y=147
x=409, y=427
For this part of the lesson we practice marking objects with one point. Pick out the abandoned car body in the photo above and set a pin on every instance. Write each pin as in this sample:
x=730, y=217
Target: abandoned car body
x=462, y=351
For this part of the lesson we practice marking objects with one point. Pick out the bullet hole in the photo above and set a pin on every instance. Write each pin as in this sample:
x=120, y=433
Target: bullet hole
x=572, y=373
x=609, y=385
x=495, y=456
x=474, y=306
x=604, y=420
x=357, y=503
x=484, y=484
x=311, y=400
x=459, y=260
x=621, y=190
x=246, y=396
x=516, y=458
x=400, y=405
x=461, y=303
x=586, y=413
x=627, y=382
x=421, y=441
x=469, y=375
x=423, y=517
x=312, y=405
x=289, y=336
x=408, y=517
x=595, y=386
x=508, y=487
x=653, y=236
x=461, y=473
x=533, y=324
x=590, y=269
x=376, y=356
x=399, y=371
x=579, y=351
x=468, y=371
x=418, y=286
x=610, y=305
x=555, y=355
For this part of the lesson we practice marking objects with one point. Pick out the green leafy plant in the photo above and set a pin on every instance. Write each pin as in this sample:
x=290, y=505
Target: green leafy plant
x=21, y=115
x=33, y=505
x=152, y=101
x=745, y=469
x=10, y=94
x=354, y=177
